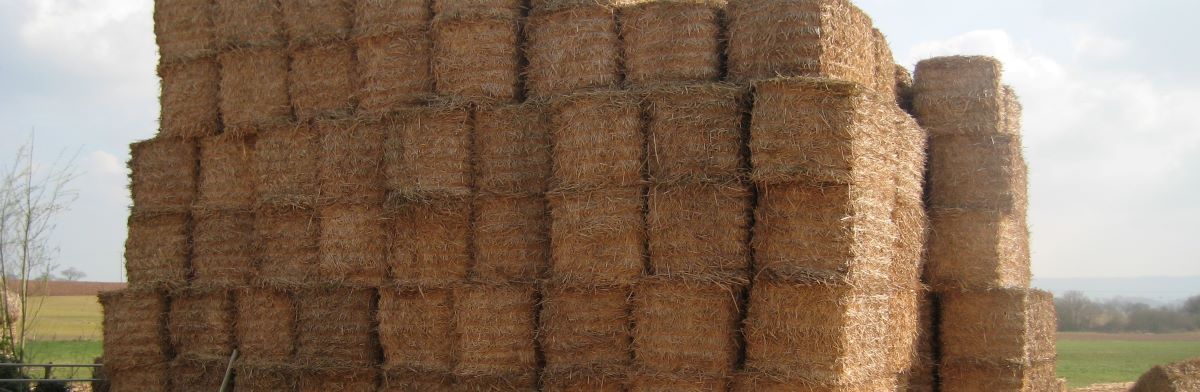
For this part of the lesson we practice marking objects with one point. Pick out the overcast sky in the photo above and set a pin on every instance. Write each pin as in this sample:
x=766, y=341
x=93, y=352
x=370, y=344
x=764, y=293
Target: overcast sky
x=1110, y=90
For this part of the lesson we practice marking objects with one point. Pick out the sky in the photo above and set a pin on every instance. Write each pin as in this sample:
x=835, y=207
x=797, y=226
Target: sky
x=1109, y=87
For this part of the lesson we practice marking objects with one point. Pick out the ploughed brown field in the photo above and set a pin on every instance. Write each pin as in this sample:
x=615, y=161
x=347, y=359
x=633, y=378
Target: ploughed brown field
x=63, y=288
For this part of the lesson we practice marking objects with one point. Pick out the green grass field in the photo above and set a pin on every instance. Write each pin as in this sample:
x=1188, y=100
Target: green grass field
x=1085, y=359
x=66, y=330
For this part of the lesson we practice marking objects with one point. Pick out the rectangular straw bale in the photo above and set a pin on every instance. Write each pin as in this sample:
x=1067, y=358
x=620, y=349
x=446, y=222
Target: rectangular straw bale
x=428, y=153
x=163, y=175
x=374, y=18
x=149, y=378
x=819, y=129
x=828, y=38
x=196, y=375
x=699, y=231
x=570, y=47
x=430, y=245
x=512, y=150
x=961, y=95
x=494, y=326
x=908, y=213
x=322, y=82
x=201, y=323
x=901, y=344
x=503, y=8
x=591, y=380
x=586, y=329
x=405, y=380
x=686, y=327
x=353, y=244
x=223, y=248
x=956, y=375
x=766, y=382
x=977, y=172
x=597, y=140
x=598, y=237
x=342, y=379
x=285, y=166
x=656, y=382
x=287, y=242
x=135, y=333
x=309, y=22
x=183, y=29
x=904, y=88
x=265, y=325
x=254, y=89
x=351, y=161
x=253, y=376
x=1007, y=318
x=157, y=249
x=921, y=376
x=226, y=180
x=1042, y=325
x=189, y=98
x=695, y=132
x=511, y=239
x=335, y=327
x=671, y=41
x=885, y=65
x=977, y=249
x=247, y=23
x=485, y=383
x=394, y=71
x=475, y=53
x=416, y=329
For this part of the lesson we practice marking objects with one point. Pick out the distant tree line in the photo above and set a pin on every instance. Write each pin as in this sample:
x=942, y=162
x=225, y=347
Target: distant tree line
x=1077, y=312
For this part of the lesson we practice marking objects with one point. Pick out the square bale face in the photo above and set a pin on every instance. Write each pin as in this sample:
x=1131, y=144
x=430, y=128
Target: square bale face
x=695, y=133
x=310, y=22
x=982, y=376
x=699, y=231
x=403, y=379
x=335, y=326
x=190, y=96
x=977, y=172
x=223, y=248
x=597, y=140
x=323, y=81
x=495, y=330
x=686, y=327
x=287, y=241
x=263, y=377
x=977, y=249
x=254, y=89
x=156, y=250
x=668, y=382
x=163, y=175
x=501, y=8
x=183, y=29
x=248, y=23
x=754, y=382
x=416, y=329
x=475, y=55
x=668, y=42
x=512, y=150
x=353, y=245
x=999, y=315
x=374, y=18
x=196, y=374
x=428, y=153
x=285, y=166
x=961, y=95
x=571, y=48
x=511, y=239
x=1041, y=325
x=351, y=161
x=135, y=331
x=153, y=378
x=585, y=328
x=599, y=380
x=265, y=325
x=597, y=238
x=201, y=324
x=393, y=72
x=430, y=243
x=346, y=380
x=226, y=180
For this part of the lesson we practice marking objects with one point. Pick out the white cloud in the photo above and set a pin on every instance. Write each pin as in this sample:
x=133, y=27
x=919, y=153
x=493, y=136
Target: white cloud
x=105, y=163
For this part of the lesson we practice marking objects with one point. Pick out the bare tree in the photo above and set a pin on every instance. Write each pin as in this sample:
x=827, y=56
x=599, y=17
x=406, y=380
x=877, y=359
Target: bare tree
x=72, y=274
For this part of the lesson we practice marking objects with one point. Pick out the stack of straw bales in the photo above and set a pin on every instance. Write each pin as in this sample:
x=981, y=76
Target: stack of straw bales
x=415, y=195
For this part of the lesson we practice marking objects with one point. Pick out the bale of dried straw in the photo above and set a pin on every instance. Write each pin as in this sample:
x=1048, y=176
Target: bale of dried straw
x=671, y=41
x=287, y=244
x=416, y=329
x=135, y=334
x=150, y=378
x=285, y=166
x=597, y=237
x=505, y=8
x=353, y=244
x=686, y=327
x=309, y=22
x=351, y=161
x=494, y=326
x=908, y=213
x=513, y=383
x=885, y=65
x=699, y=231
x=921, y=376
x=343, y=379
x=226, y=180
x=1017, y=323
x=223, y=248
x=393, y=71
x=156, y=250
x=512, y=145
x=246, y=23
x=756, y=381
x=475, y=53
x=571, y=45
x=430, y=244
x=1174, y=377
x=646, y=382
x=201, y=323
x=183, y=29
x=901, y=346
x=597, y=140
x=335, y=327
x=977, y=172
x=253, y=376
x=694, y=133
x=323, y=81
x=401, y=379
x=189, y=97
x=591, y=380
x=265, y=325
x=511, y=239
x=829, y=38
x=990, y=376
x=977, y=249
x=197, y=374
x=904, y=88
x=428, y=153
x=585, y=331
x=163, y=175
x=374, y=18
x=254, y=89
x=960, y=95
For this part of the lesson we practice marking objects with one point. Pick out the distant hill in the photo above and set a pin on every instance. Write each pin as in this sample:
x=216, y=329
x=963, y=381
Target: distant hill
x=65, y=288
x=1155, y=290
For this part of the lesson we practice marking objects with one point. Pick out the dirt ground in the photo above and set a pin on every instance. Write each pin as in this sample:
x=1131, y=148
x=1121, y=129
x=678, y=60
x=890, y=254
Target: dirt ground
x=1121, y=387
x=1136, y=337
